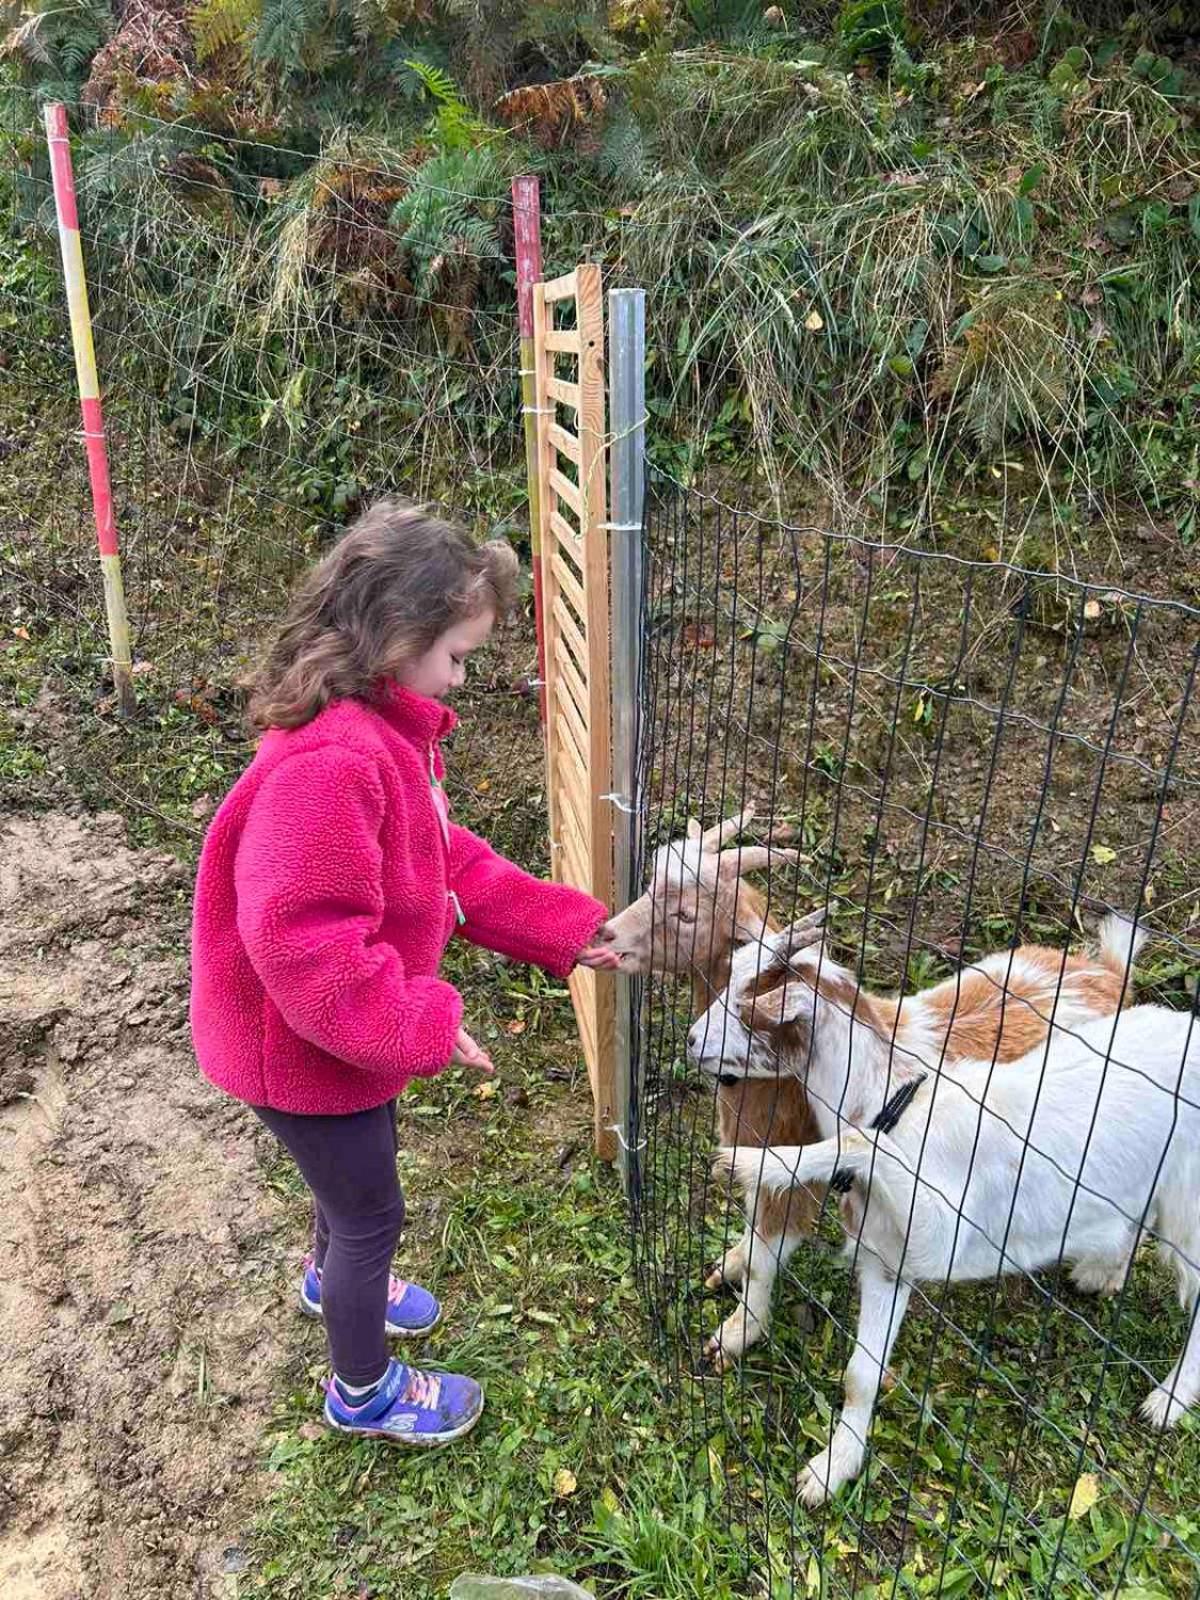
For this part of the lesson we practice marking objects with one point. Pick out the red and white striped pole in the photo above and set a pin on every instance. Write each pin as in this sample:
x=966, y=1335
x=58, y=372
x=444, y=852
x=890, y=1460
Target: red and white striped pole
x=89, y=402
x=527, y=241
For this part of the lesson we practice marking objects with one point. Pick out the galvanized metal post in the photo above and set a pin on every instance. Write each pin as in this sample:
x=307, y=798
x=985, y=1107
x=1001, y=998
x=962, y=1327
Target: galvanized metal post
x=626, y=455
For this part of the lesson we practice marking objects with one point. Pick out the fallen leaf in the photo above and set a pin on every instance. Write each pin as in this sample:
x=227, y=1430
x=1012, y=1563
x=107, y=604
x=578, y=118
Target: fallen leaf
x=1102, y=855
x=483, y=786
x=486, y=1090
x=1091, y=610
x=698, y=636
x=564, y=1483
x=814, y=322
x=1084, y=1495
x=516, y=1026
x=311, y=1430
x=21, y=633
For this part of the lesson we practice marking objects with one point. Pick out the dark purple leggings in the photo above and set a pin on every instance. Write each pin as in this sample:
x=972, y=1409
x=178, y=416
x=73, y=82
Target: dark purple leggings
x=349, y=1164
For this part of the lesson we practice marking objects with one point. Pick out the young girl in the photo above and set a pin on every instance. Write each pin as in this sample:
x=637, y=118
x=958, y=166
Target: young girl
x=330, y=883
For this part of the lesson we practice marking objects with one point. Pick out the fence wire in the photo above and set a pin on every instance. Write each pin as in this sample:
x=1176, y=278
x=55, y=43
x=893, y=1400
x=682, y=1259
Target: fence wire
x=965, y=758
x=269, y=362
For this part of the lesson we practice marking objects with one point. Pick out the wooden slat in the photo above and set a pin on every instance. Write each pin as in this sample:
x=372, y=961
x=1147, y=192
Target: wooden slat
x=573, y=793
x=569, y=585
x=567, y=533
x=565, y=618
x=567, y=444
x=568, y=742
x=582, y=999
x=564, y=341
x=559, y=288
x=563, y=696
x=570, y=672
x=566, y=490
x=567, y=394
x=576, y=861
x=571, y=839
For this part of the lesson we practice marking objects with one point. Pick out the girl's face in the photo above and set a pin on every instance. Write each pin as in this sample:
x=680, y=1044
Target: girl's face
x=442, y=668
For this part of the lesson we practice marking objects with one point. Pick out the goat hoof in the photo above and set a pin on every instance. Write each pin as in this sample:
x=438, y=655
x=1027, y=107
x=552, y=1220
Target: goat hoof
x=1162, y=1409
x=812, y=1488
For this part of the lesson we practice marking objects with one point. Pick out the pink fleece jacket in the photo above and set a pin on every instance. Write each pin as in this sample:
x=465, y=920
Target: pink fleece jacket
x=329, y=886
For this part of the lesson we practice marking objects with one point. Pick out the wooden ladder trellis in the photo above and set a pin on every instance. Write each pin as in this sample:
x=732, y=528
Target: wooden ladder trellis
x=568, y=331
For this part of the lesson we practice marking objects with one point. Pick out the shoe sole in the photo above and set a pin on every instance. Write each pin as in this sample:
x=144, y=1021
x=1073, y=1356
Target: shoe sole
x=416, y=1440
x=311, y=1310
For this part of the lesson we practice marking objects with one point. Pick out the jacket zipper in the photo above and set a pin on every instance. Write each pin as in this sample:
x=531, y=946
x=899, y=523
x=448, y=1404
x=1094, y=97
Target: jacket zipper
x=444, y=824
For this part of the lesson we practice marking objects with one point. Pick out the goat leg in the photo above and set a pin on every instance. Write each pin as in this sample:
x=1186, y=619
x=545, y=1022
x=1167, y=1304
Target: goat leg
x=881, y=1307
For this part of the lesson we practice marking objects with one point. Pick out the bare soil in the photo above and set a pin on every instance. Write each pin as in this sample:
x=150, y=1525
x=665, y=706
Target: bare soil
x=142, y=1307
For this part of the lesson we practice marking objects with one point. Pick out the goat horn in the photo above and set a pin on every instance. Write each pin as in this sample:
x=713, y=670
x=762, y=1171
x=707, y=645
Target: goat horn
x=752, y=858
x=713, y=838
x=806, y=931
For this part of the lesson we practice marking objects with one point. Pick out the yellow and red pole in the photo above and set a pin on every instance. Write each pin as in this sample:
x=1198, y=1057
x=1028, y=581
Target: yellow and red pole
x=89, y=401
x=527, y=240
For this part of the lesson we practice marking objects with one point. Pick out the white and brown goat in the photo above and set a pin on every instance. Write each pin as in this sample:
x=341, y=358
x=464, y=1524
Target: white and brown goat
x=964, y=1172
x=696, y=911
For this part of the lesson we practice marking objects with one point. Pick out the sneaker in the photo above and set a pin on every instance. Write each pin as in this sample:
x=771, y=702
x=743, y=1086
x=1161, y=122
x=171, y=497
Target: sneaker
x=411, y=1310
x=409, y=1407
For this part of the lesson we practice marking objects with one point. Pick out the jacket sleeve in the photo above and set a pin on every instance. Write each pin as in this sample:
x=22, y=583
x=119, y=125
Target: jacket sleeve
x=309, y=878
x=516, y=914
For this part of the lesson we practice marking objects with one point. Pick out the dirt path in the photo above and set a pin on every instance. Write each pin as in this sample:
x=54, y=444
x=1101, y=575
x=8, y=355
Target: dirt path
x=142, y=1295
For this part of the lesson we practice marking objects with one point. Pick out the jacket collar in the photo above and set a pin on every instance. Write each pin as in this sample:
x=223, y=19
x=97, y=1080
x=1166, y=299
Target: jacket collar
x=418, y=719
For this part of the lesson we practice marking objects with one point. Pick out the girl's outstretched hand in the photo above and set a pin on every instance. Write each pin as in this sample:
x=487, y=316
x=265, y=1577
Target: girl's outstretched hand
x=468, y=1054
x=599, y=955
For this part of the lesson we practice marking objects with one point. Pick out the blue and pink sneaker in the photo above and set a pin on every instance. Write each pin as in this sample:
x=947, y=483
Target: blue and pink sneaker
x=408, y=1407
x=411, y=1310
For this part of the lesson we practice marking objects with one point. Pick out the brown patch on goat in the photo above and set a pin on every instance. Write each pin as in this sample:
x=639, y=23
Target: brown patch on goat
x=739, y=903
x=756, y=1112
x=982, y=1020
x=966, y=1013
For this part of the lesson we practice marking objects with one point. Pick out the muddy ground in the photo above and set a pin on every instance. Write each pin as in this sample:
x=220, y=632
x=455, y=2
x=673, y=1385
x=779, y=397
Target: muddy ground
x=142, y=1305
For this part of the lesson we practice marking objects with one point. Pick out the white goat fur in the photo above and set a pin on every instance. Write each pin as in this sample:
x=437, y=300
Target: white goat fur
x=979, y=1176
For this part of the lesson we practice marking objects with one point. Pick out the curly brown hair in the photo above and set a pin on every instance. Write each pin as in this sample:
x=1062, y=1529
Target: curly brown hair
x=391, y=586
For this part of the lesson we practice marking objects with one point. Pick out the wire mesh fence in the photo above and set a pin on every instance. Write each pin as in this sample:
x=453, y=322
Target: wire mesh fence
x=955, y=761
x=271, y=357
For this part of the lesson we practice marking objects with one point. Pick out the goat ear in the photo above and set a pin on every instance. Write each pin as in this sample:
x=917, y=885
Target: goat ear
x=713, y=838
x=788, y=1001
x=694, y=830
x=752, y=858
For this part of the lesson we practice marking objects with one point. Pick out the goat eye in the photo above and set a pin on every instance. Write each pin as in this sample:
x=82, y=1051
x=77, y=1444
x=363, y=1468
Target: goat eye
x=685, y=915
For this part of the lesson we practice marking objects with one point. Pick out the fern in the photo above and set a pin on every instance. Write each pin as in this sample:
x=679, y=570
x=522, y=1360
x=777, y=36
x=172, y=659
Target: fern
x=289, y=35
x=621, y=156
x=221, y=25
x=442, y=219
x=456, y=127
x=62, y=39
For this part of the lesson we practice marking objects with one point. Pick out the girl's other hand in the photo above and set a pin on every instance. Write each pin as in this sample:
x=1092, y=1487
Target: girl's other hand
x=468, y=1054
x=599, y=955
